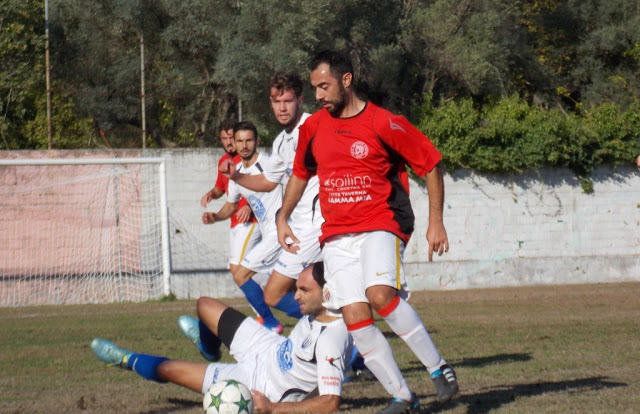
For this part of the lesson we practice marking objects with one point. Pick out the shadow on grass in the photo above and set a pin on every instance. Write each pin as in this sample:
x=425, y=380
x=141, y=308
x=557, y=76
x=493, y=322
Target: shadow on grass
x=479, y=403
x=490, y=360
x=495, y=398
x=479, y=362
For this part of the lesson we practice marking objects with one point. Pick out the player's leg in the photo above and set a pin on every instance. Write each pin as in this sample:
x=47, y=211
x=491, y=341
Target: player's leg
x=203, y=331
x=260, y=259
x=255, y=296
x=242, y=238
x=345, y=289
x=384, y=278
x=186, y=374
x=154, y=368
x=279, y=293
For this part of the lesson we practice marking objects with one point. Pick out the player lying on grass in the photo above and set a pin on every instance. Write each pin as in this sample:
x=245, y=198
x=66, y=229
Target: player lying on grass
x=281, y=371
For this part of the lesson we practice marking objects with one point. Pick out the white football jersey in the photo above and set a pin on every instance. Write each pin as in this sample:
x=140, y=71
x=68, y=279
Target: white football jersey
x=314, y=355
x=264, y=205
x=307, y=212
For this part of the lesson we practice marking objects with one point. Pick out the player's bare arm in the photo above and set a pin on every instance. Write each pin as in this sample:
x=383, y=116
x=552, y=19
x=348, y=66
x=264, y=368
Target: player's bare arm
x=436, y=232
x=225, y=212
x=252, y=182
x=320, y=404
x=213, y=194
x=292, y=195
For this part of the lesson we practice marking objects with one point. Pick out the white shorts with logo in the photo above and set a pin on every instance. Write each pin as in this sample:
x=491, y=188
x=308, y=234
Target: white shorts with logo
x=242, y=238
x=291, y=265
x=249, y=344
x=262, y=257
x=353, y=262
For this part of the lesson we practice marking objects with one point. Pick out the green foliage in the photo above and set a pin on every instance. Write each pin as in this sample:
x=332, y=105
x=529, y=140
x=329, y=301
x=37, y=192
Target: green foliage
x=23, y=108
x=511, y=136
x=21, y=69
x=510, y=86
x=68, y=131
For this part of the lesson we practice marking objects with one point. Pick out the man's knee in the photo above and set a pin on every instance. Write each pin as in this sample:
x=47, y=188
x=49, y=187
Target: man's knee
x=241, y=274
x=277, y=286
x=273, y=294
x=271, y=298
x=380, y=296
x=166, y=371
x=357, y=313
x=202, y=303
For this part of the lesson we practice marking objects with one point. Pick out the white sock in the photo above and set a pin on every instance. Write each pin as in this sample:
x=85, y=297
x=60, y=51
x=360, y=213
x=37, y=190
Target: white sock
x=378, y=357
x=406, y=323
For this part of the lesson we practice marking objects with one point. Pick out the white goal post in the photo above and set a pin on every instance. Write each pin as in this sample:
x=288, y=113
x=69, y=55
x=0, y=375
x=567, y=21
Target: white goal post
x=83, y=230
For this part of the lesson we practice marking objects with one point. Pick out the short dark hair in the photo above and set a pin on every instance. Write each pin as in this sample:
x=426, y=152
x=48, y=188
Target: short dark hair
x=318, y=273
x=339, y=63
x=284, y=81
x=227, y=124
x=245, y=126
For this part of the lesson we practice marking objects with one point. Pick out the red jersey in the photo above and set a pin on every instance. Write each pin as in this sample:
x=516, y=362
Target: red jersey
x=360, y=162
x=222, y=183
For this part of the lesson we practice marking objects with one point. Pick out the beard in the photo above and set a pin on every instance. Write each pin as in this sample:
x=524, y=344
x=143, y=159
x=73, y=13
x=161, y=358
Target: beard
x=338, y=105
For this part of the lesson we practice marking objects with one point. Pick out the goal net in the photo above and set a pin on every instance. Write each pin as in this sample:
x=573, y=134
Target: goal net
x=82, y=231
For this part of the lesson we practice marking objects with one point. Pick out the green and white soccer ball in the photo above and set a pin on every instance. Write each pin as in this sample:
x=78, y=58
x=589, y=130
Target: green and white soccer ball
x=228, y=397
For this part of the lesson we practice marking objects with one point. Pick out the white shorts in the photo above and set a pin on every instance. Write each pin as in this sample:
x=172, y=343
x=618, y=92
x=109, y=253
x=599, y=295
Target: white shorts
x=291, y=265
x=353, y=262
x=262, y=257
x=248, y=347
x=242, y=238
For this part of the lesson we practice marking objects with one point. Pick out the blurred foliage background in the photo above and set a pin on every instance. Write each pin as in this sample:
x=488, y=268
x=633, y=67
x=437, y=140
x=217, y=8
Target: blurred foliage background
x=498, y=85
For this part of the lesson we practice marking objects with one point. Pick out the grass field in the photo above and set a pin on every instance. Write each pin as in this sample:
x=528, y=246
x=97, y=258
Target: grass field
x=554, y=349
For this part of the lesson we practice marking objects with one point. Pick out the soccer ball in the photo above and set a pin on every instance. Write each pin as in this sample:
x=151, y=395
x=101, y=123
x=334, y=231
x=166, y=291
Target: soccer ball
x=228, y=397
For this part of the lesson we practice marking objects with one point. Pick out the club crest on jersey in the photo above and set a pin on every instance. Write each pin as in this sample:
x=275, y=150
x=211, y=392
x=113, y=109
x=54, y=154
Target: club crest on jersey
x=285, y=361
x=326, y=294
x=257, y=207
x=359, y=150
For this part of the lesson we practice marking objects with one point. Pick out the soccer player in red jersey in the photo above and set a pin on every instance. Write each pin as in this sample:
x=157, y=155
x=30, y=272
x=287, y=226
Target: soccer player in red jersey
x=359, y=152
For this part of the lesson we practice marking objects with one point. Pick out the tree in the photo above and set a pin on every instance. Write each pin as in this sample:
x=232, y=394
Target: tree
x=21, y=70
x=591, y=49
x=23, y=111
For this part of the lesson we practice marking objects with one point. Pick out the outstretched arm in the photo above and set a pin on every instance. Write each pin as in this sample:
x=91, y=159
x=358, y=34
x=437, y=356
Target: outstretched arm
x=225, y=212
x=252, y=182
x=320, y=404
x=292, y=196
x=436, y=233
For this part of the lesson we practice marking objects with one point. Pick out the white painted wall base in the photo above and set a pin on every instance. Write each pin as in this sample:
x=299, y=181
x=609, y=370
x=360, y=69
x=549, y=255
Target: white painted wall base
x=538, y=228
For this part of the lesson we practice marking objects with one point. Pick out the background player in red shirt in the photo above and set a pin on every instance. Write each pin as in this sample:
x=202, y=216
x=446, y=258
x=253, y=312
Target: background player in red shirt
x=243, y=234
x=359, y=151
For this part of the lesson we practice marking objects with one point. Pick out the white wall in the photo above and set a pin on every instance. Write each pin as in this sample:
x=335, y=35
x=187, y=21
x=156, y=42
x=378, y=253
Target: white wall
x=535, y=228
x=504, y=230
